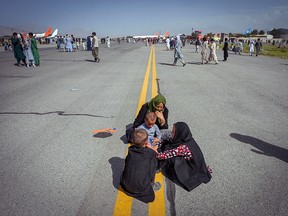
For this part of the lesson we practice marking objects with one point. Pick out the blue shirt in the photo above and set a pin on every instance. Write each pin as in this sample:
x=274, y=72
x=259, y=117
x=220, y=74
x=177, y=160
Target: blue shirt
x=152, y=132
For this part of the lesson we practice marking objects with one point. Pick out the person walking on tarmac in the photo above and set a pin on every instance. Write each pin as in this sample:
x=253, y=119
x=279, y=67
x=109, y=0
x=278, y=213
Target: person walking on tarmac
x=177, y=52
x=204, y=51
x=18, y=50
x=108, y=41
x=95, y=47
x=213, y=56
x=197, y=45
x=225, y=49
x=258, y=46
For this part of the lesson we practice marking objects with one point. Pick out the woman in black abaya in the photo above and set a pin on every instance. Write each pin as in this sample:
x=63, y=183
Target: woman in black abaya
x=185, y=158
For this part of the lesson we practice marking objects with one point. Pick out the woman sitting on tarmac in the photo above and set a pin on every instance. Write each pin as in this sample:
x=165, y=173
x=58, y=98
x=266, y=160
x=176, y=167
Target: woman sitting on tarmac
x=181, y=158
x=157, y=105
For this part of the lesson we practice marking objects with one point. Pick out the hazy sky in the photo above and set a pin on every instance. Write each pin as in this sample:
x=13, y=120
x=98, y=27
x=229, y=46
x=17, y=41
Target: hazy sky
x=126, y=17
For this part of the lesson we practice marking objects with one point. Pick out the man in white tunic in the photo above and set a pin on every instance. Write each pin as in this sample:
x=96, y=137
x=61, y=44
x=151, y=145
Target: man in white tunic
x=213, y=56
x=168, y=43
x=95, y=47
x=108, y=41
x=204, y=51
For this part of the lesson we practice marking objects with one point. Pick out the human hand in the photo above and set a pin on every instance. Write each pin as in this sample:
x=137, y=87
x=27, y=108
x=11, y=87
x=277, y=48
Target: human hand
x=156, y=140
x=154, y=148
x=160, y=116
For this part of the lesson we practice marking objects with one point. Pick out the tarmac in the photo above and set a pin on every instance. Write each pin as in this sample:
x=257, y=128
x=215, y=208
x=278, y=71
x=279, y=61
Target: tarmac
x=51, y=163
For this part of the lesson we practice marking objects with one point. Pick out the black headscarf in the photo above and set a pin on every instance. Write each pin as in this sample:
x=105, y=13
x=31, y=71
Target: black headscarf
x=182, y=133
x=190, y=173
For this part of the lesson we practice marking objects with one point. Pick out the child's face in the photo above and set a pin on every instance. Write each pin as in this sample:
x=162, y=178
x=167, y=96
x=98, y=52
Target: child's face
x=160, y=107
x=149, y=123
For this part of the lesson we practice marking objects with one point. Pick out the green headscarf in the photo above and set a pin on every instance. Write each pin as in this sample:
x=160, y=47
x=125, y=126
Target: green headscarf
x=155, y=101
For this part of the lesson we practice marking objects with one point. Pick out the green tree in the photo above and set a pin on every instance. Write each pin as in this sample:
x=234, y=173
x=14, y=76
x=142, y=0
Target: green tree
x=254, y=32
x=209, y=35
x=231, y=34
x=239, y=35
x=194, y=36
x=275, y=33
x=261, y=32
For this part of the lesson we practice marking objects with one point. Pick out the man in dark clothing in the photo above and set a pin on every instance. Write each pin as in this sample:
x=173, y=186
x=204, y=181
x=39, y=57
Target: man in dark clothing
x=258, y=46
x=18, y=50
x=225, y=49
x=197, y=45
x=137, y=178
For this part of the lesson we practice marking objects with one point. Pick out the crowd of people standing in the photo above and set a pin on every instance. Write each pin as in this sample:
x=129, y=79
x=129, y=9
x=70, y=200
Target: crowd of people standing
x=25, y=49
x=68, y=43
x=209, y=48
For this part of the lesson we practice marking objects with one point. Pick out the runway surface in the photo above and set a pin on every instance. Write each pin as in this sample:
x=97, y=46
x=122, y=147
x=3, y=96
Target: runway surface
x=52, y=164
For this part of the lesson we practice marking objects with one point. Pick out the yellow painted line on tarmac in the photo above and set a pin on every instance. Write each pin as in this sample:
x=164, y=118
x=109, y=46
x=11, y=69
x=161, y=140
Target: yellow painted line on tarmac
x=143, y=94
x=123, y=203
x=154, y=75
x=158, y=206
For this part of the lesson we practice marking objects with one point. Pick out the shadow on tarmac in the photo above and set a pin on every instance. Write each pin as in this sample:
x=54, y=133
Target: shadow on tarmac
x=194, y=63
x=61, y=113
x=264, y=147
x=124, y=137
x=102, y=135
x=63, y=60
x=117, y=166
x=167, y=64
x=5, y=76
x=170, y=182
x=179, y=65
x=88, y=60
